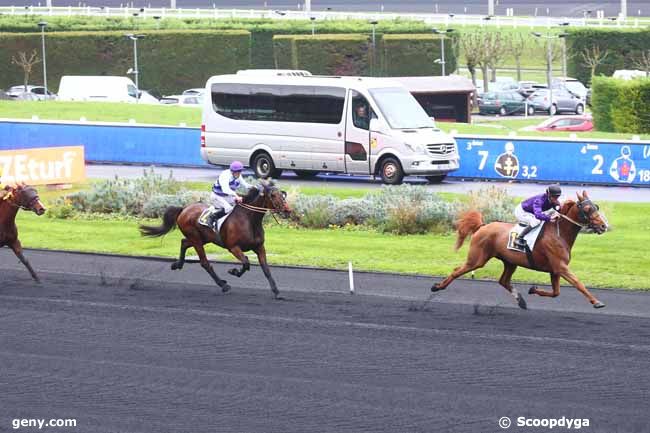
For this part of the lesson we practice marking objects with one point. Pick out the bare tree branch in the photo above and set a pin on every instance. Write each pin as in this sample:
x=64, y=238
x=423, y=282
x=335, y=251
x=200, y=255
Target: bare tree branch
x=26, y=64
x=592, y=57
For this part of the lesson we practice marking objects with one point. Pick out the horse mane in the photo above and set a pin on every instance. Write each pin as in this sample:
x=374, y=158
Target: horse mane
x=566, y=206
x=251, y=195
x=467, y=223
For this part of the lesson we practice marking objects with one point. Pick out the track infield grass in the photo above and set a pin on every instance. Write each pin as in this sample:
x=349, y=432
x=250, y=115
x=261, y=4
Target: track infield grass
x=617, y=259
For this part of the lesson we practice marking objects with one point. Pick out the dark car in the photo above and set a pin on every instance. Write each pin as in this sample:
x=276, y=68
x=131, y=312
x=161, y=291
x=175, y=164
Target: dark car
x=563, y=102
x=503, y=103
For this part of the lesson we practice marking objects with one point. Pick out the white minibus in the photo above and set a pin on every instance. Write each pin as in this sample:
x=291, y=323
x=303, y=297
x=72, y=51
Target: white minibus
x=313, y=124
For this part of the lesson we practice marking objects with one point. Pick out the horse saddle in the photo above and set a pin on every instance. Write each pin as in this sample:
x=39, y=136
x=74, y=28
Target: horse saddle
x=530, y=238
x=205, y=219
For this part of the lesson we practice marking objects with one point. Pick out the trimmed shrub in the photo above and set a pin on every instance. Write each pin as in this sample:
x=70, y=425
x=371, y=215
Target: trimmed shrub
x=414, y=55
x=621, y=106
x=624, y=46
x=194, y=54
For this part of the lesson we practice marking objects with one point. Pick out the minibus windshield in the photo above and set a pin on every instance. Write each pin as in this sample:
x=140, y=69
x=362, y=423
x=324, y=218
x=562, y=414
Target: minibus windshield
x=401, y=109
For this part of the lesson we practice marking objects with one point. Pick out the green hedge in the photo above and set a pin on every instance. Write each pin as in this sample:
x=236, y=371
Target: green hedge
x=623, y=46
x=414, y=55
x=621, y=106
x=169, y=61
x=324, y=54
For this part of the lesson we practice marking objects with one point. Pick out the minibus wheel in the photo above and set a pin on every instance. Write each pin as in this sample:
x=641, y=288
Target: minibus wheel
x=391, y=171
x=264, y=167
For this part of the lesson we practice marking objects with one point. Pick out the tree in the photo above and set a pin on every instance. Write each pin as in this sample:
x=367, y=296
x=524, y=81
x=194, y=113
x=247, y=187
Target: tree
x=491, y=51
x=592, y=57
x=518, y=45
x=471, y=43
x=26, y=64
x=643, y=62
x=497, y=49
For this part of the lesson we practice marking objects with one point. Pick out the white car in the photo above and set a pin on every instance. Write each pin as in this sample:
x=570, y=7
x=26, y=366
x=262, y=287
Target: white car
x=184, y=100
x=196, y=91
x=30, y=93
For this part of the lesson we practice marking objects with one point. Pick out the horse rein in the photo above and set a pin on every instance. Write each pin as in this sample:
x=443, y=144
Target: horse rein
x=584, y=226
x=259, y=209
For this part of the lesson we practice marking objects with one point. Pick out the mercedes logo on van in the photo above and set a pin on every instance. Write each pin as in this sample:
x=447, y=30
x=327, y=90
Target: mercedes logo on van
x=443, y=148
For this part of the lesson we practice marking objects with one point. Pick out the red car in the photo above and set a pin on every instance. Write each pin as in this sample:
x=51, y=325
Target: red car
x=567, y=123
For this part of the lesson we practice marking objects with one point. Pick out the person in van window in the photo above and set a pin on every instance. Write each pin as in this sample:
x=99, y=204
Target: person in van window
x=224, y=191
x=360, y=117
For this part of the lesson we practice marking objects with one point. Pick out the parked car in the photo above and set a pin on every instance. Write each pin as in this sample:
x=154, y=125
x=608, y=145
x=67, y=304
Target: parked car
x=30, y=92
x=503, y=103
x=567, y=123
x=188, y=100
x=196, y=91
x=147, y=98
x=563, y=101
x=4, y=96
x=526, y=88
x=572, y=85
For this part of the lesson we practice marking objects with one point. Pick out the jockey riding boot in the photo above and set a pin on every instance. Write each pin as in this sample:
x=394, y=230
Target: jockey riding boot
x=215, y=217
x=520, y=242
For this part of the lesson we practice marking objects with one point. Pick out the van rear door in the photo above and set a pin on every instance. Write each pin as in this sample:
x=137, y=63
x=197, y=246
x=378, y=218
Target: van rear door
x=357, y=134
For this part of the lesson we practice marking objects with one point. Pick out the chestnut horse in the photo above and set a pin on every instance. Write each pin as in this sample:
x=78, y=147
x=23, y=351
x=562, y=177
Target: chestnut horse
x=241, y=231
x=21, y=197
x=551, y=253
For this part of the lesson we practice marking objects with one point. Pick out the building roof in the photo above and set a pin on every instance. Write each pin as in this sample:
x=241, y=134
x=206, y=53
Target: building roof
x=441, y=85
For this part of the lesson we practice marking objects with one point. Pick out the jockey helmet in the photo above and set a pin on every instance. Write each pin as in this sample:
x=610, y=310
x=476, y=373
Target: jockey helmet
x=236, y=166
x=554, y=190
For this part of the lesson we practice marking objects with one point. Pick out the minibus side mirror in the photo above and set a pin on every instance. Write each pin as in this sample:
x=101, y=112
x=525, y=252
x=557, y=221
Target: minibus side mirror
x=376, y=126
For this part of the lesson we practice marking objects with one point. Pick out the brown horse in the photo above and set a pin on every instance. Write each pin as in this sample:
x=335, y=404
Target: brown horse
x=21, y=197
x=242, y=231
x=551, y=253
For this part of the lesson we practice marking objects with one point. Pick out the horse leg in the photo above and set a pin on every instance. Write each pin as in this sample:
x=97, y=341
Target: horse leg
x=208, y=267
x=18, y=251
x=470, y=265
x=571, y=278
x=555, y=283
x=505, y=281
x=185, y=244
x=239, y=254
x=261, y=256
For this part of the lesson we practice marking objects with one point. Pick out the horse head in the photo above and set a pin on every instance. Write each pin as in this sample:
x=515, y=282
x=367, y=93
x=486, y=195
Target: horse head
x=586, y=212
x=26, y=197
x=274, y=198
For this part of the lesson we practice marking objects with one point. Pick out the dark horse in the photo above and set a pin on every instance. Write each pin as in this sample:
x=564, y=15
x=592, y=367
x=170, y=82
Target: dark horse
x=242, y=231
x=552, y=251
x=20, y=197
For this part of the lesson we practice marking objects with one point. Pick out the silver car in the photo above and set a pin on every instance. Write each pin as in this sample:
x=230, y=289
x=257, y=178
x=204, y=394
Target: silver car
x=35, y=93
x=563, y=102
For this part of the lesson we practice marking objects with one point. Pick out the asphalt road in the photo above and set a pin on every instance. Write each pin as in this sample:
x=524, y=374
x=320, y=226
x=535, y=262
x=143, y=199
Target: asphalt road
x=557, y=8
x=123, y=345
x=609, y=193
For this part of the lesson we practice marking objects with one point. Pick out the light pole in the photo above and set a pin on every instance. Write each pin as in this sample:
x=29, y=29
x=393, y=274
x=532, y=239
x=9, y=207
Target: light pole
x=135, y=72
x=563, y=36
x=42, y=25
x=374, y=47
x=313, y=25
x=442, y=46
x=549, y=63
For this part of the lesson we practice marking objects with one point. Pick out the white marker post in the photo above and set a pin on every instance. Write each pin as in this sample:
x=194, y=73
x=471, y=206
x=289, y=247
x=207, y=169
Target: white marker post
x=351, y=275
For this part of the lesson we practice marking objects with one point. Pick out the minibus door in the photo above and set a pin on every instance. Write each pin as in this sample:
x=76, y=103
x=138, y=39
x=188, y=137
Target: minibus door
x=357, y=134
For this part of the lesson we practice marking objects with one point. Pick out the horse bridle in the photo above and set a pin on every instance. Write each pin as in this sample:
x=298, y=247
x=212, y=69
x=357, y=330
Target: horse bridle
x=11, y=196
x=583, y=215
x=258, y=209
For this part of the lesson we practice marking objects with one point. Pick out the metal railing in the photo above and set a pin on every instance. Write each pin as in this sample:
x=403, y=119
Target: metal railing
x=438, y=19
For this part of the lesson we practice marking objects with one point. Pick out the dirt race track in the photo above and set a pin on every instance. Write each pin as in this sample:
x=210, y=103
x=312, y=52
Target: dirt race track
x=126, y=345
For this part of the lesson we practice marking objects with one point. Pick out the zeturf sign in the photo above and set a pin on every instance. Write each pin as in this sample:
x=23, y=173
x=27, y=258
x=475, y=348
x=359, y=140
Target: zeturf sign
x=43, y=166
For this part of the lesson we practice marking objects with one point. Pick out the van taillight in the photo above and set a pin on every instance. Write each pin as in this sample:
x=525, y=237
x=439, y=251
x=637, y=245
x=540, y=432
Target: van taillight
x=202, y=135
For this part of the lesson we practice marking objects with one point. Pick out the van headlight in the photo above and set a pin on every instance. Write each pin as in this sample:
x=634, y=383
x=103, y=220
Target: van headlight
x=416, y=148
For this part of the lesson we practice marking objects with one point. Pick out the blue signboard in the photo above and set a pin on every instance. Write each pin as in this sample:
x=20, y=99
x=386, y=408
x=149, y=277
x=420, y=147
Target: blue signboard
x=132, y=144
x=598, y=162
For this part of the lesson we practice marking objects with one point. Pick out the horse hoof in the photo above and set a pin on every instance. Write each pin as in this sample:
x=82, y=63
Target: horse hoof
x=599, y=304
x=234, y=272
x=522, y=302
x=174, y=266
x=435, y=288
x=532, y=290
x=225, y=288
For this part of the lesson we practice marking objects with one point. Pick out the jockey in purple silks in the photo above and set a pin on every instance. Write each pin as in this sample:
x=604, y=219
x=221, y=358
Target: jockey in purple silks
x=224, y=195
x=531, y=211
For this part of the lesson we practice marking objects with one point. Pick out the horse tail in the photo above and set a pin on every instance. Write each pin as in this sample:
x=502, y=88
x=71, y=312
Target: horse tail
x=169, y=223
x=468, y=223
